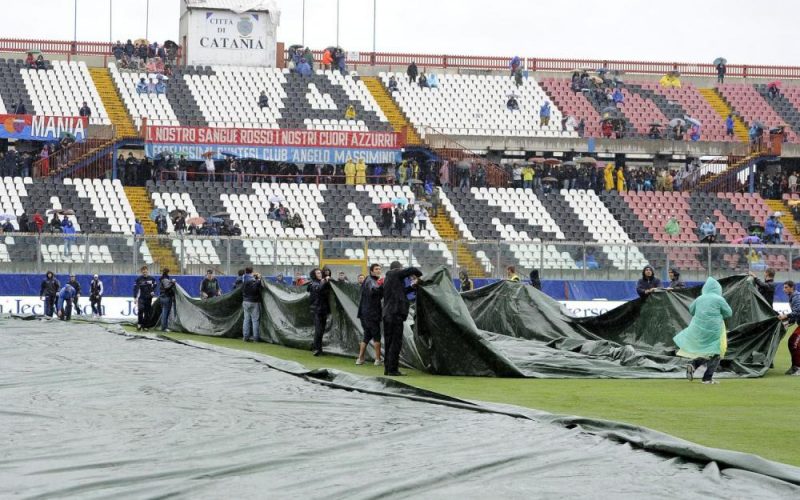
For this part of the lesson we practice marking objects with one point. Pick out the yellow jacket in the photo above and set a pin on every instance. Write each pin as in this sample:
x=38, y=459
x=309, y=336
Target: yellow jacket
x=608, y=176
x=361, y=172
x=620, y=181
x=350, y=114
x=350, y=172
x=527, y=174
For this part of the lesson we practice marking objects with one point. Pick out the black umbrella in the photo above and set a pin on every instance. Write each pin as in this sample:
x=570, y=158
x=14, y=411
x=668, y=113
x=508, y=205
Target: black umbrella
x=169, y=44
x=177, y=212
x=221, y=215
x=720, y=60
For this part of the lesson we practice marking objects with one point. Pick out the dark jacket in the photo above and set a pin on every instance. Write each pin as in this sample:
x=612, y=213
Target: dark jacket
x=251, y=291
x=466, y=283
x=167, y=287
x=144, y=288
x=395, y=302
x=319, y=303
x=535, y=281
x=794, y=303
x=75, y=285
x=96, y=288
x=645, y=284
x=369, y=307
x=412, y=71
x=766, y=289
x=50, y=287
x=210, y=287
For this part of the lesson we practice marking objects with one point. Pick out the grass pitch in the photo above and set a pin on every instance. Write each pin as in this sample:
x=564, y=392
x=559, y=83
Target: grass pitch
x=749, y=415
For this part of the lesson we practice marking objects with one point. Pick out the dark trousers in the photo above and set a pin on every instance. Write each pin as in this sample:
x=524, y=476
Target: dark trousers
x=97, y=308
x=77, y=307
x=393, y=341
x=145, y=306
x=794, y=347
x=166, y=308
x=319, y=330
x=66, y=310
x=49, y=305
x=711, y=366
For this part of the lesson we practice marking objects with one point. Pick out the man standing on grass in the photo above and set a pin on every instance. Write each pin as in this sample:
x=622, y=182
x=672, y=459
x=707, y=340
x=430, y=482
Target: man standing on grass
x=395, y=312
x=767, y=287
x=369, y=312
x=793, y=317
x=143, y=292
x=319, y=291
x=251, y=305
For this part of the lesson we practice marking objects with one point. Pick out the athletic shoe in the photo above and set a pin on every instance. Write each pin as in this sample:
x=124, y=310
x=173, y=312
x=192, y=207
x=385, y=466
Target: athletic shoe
x=359, y=362
x=318, y=353
x=690, y=372
x=792, y=371
x=396, y=374
x=138, y=328
x=378, y=362
x=710, y=382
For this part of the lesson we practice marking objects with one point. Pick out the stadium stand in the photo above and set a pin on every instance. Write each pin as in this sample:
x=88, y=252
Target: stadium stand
x=746, y=101
x=61, y=91
x=155, y=107
x=12, y=86
x=476, y=105
x=781, y=104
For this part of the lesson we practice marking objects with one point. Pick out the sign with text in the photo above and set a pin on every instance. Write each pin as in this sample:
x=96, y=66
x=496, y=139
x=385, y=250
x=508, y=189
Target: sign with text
x=43, y=128
x=284, y=154
x=274, y=137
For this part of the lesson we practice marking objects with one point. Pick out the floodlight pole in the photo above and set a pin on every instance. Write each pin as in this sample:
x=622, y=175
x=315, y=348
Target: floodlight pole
x=374, y=22
x=303, y=36
x=75, y=22
x=337, y=23
x=110, y=35
x=147, y=22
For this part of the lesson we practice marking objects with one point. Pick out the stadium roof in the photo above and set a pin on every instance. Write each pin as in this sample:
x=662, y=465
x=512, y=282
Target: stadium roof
x=237, y=6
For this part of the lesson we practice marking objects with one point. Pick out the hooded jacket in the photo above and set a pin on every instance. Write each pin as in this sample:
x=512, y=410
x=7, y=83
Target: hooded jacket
x=50, y=286
x=535, y=281
x=678, y=282
x=645, y=284
x=369, y=307
x=319, y=293
x=703, y=336
x=395, y=301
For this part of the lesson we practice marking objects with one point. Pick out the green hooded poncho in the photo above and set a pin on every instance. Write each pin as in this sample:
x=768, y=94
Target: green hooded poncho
x=705, y=334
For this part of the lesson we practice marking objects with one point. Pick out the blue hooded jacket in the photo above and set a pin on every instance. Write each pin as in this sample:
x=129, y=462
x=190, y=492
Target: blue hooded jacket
x=66, y=293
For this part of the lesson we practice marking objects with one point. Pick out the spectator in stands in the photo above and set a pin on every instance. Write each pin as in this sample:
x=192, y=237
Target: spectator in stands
x=729, y=125
x=580, y=129
x=423, y=81
x=210, y=286
x=422, y=218
x=675, y=281
x=677, y=132
x=527, y=177
x=773, y=230
x=44, y=161
x=327, y=59
x=69, y=235
x=38, y=222
x=48, y=291
x=7, y=227
x=409, y=214
x=433, y=81
x=792, y=182
x=386, y=219
x=512, y=103
x=766, y=287
x=544, y=114
x=466, y=283
x=621, y=187
x=303, y=68
x=142, y=87
x=19, y=108
x=350, y=172
x=350, y=113
x=607, y=129
x=708, y=231
x=721, y=70
x=536, y=282
x=160, y=86
x=398, y=219
x=118, y=50
x=648, y=283
x=40, y=62
x=85, y=111
x=309, y=57
x=516, y=175
x=166, y=297
x=518, y=78
x=617, y=96
x=340, y=61
x=361, y=172
x=55, y=224
x=392, y=85
x=211, y=168
x=30, y=62
x=412, y=73
x=263, y=100
x=138, y=229
x=435, y=201
x=608, y=176
x=655, y=132
x=694, y=133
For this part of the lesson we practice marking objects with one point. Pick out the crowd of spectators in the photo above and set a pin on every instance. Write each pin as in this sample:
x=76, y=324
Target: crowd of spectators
x=143, y=56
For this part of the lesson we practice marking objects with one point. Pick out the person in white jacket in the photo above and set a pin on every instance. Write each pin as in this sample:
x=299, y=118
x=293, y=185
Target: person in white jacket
x=422, y=218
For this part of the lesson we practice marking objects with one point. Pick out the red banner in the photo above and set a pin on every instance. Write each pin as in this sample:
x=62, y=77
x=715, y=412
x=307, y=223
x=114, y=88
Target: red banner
x=274, y=137
x=43, y=128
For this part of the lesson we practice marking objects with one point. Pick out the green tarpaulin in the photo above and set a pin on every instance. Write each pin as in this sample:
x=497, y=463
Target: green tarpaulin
x=509, y=330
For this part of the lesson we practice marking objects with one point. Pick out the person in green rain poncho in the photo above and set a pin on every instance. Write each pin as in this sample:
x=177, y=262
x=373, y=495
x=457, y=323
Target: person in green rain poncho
x=672, y=227
x=705, y=341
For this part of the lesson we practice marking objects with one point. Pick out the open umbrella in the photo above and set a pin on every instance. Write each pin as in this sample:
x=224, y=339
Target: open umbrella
x=774, y=85
x=400, y=201
x=552, y=161
x=8, y=217
x=569, y=163
x=140, y=41
x=656, y=124
x=207, y=154
x=676, y=122
x=586, y=160
x=596, y=79
x=176, y=213
x=221, y=215
x=169, y=44
x=386, y=205
x=214, y=220
x=537, y=160
x=720, y=60
x=276, y=198
x=694, y=121
x=229, y=155
x=424, y=204
x=197, y=221
x=549, y=179
x=610, y=110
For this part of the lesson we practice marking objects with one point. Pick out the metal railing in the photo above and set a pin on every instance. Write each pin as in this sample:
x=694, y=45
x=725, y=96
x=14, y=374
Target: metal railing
x=68, y=48
x=110, y=254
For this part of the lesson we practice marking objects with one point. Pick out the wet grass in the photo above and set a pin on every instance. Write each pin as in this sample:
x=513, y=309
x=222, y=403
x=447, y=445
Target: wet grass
x=749, y=415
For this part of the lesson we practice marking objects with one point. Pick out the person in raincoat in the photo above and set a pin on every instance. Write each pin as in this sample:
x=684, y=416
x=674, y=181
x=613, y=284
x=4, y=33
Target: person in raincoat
x=620, y=180
x=649, y=283
x=350, y=172
x=672, y=227
x=327, y=59
x=704, y=341
x=350, y=113
x=402, y=172
x=361, y=172
x=608, y=176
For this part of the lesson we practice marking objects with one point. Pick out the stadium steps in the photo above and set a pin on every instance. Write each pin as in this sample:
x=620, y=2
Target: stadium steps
x=466, y=260
x=708, y=182
x=123, y=125
x=786, y=217
x=720, y=105
x=396, y=117
x=142, y=206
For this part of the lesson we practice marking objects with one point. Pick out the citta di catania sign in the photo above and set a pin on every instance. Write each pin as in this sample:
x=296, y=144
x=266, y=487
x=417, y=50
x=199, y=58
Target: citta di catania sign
x=217, y=36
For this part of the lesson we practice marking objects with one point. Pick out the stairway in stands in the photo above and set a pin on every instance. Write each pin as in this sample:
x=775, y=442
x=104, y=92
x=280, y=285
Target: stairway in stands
x=786, y=215
x=447, y=230
x=142, y=206
x=396, y=117
x=123, y=126
x=722, y=108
